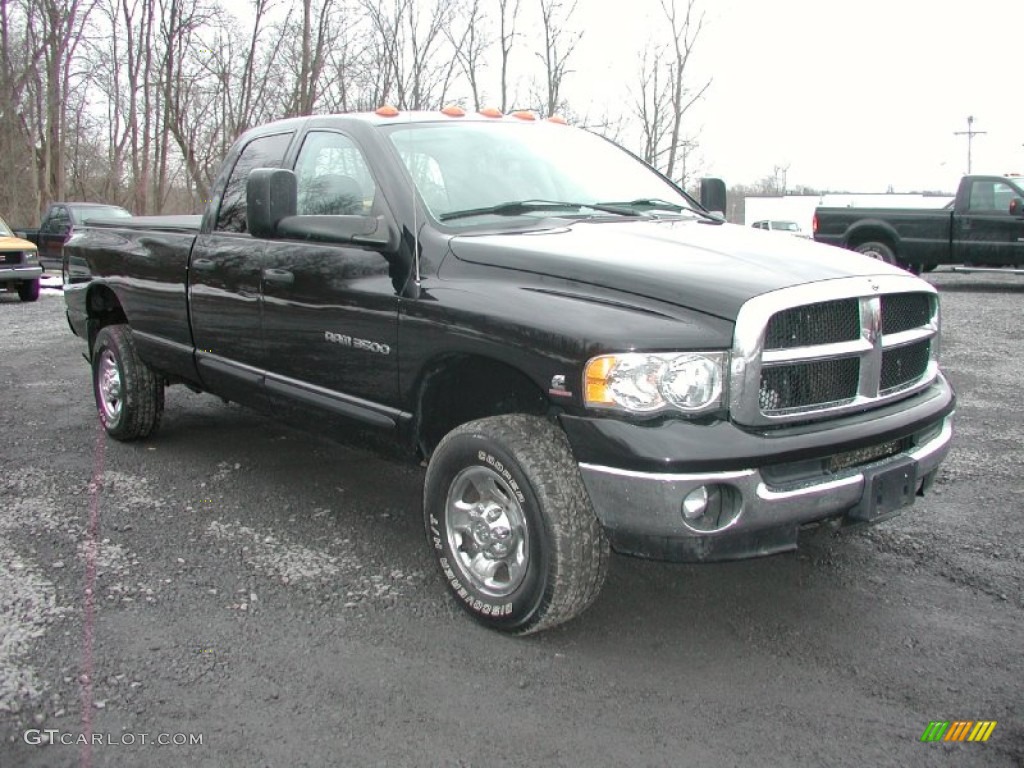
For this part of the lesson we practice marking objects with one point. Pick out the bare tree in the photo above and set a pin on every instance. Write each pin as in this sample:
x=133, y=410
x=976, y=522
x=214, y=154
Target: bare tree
x=663, y=95
x=651, y=104
x=559, y=43
x=685, y=27
x=58, y=26
x=312, y=56
x=21, y=52
x=469, y=45
x=508, y=19
x=408, y=39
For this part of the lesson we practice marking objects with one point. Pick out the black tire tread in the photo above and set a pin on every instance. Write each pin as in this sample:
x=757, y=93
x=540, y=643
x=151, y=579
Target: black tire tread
x=143, y=406
x=580, y=549
x=28, y=290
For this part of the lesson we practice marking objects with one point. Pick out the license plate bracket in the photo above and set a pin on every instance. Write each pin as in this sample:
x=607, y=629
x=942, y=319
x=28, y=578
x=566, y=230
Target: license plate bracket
x=887, y=490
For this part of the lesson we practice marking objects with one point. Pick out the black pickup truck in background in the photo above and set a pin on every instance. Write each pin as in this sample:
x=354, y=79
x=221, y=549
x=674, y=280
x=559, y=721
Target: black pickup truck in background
x=584, y=356
x=983, y=226
x=58, y=224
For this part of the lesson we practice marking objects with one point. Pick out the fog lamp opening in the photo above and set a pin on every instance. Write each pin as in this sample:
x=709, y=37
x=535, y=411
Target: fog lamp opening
x=711, y=507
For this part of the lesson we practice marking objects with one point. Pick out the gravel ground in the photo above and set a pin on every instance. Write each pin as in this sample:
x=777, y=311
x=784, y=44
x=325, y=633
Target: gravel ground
x=268, y=595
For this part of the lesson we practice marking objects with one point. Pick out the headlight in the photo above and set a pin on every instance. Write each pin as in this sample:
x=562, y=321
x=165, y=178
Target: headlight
x=640, y=382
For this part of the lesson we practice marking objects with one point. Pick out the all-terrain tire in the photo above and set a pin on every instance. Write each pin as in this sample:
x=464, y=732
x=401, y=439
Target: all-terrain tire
x=129, y=395
x=28, y=290
x=511, y=526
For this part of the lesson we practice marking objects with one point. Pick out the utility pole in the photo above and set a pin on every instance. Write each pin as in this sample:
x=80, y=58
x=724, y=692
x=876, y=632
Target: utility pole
x=970, y=133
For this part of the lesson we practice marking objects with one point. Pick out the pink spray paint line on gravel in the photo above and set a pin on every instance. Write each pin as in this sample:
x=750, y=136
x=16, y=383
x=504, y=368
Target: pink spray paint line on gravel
x=88, y=623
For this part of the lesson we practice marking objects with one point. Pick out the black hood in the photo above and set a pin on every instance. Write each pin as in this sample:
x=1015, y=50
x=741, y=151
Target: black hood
x=712, y=268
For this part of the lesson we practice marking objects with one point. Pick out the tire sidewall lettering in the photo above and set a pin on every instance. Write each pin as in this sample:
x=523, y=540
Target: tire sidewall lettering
x=499, y=467
x=525, y=601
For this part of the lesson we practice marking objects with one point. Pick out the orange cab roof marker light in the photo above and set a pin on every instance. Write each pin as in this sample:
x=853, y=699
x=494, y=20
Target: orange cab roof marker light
x=524, y=115
x=491, y=112
x=558, y=119
x=453, y=111
x=387, y=111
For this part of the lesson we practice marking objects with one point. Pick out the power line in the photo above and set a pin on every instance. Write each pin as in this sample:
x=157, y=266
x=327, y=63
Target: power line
x=970, y=133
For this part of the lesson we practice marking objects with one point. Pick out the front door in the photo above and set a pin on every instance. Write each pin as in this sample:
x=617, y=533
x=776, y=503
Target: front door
x=330, y=312
x=986, y=234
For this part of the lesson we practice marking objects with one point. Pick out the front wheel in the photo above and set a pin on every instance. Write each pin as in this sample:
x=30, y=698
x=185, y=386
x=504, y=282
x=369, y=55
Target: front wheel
x=28, y=290
x=511, y=526
x=129, y=395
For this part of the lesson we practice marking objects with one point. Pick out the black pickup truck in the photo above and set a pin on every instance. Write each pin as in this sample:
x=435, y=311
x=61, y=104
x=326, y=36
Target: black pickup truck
x=584, y=356
x=984, y=225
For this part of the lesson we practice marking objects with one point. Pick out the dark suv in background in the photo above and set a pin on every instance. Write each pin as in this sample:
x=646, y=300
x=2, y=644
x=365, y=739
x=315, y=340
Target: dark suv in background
x=59, y=224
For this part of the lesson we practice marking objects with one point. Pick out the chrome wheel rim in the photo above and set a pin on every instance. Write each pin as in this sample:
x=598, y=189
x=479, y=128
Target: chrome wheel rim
x=108, y=386
x=875, y=254
x=487, y=532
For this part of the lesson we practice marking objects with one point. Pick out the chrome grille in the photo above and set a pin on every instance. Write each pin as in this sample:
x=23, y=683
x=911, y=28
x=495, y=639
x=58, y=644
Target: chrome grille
x=787, y=387
x=903, y=366
x=826, y=322
x=903, y=311
x=827, y=348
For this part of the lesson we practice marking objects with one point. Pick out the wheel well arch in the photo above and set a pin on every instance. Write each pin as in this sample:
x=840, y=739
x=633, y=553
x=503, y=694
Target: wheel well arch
x=103, y=308
x=874, y=232
x=459, y=388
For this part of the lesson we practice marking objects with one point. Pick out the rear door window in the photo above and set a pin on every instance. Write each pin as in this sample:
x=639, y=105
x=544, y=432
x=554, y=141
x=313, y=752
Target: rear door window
x=262, y=152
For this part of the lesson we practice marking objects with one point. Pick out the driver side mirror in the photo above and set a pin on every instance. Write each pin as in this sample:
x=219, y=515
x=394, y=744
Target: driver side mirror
x=271, y=202
x=271, y=194
x=1017, y=207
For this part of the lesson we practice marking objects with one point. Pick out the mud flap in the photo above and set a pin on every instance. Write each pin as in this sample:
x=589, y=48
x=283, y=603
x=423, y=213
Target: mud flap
x=886, y=490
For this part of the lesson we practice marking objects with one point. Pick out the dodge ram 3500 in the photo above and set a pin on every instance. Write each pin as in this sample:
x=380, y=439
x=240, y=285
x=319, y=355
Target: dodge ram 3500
x=584, y=356
x=984, y=225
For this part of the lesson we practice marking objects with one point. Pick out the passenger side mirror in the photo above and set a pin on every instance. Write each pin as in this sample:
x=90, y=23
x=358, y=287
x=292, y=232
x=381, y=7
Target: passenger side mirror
x=1017, y=207
x=713, y=195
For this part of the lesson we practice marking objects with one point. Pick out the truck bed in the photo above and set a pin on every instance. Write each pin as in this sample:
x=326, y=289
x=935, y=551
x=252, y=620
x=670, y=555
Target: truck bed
x=154, y=251
x=923, y=234
x=178, y=223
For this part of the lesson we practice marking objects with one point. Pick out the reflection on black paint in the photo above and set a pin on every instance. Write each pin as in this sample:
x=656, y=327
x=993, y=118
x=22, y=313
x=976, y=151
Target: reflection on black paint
x=264, y=152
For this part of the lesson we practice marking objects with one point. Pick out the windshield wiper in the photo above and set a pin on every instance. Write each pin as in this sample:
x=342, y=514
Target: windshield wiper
x=651, y=203
x=656, y=204
x=520, y=207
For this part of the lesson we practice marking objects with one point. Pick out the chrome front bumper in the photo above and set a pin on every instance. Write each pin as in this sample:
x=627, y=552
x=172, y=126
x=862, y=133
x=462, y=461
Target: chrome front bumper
x=641, y=511
x=19, y=272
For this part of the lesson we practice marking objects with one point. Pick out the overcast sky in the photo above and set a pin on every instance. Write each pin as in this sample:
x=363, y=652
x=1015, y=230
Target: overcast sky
x=850, y=95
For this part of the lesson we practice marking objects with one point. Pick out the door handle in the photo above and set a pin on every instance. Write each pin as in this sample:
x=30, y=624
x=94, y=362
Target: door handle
x=204, y=265
x=278, y=276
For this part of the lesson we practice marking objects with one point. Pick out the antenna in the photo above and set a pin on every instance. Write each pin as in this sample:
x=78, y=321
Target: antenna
x=970, y=133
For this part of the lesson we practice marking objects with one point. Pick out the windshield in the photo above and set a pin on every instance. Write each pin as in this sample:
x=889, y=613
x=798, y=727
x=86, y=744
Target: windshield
x=5, y=231
x=462, y=168
x=85, y=214
x=788, y=226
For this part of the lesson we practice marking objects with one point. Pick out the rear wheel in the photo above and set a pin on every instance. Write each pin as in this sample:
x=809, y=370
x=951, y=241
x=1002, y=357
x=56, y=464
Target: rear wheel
x=884, y=252
x=511, y=526
x=129, y=395
x=28, y=290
